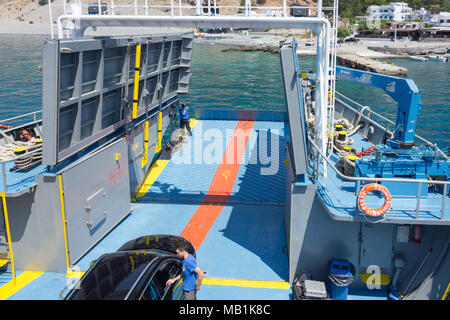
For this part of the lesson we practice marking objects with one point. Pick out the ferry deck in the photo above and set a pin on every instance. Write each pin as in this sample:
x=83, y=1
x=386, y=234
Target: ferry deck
x=240, y=189
x=241, y=243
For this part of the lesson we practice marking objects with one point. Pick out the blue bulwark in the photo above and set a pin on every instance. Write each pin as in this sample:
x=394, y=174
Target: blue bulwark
x=294, y=102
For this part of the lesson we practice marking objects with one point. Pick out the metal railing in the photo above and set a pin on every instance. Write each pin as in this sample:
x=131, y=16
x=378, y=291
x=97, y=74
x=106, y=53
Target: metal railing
x=33, y=117
x=386, y=120
x=315, y=172
x=80, y=7
x=8, y=236
x=7, y=166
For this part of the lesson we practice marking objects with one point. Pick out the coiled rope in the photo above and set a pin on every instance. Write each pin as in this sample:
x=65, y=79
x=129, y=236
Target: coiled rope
x=8, y=151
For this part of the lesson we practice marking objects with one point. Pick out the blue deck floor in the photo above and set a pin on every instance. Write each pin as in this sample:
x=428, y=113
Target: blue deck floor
x=17, y=181
x=251, y=186
x=247, y=240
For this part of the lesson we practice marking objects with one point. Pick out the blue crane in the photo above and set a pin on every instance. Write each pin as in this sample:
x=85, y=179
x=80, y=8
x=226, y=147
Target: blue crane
x=402, y=90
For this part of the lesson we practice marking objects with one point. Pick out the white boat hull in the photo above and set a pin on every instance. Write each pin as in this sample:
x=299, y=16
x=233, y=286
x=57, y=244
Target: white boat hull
x=418, y=58
x=437, y=58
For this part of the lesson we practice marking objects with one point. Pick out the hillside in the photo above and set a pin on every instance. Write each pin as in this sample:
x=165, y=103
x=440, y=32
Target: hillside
x=29, y=11
x=353, y=8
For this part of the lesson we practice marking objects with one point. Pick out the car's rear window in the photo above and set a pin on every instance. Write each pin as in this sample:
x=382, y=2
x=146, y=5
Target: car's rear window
x=113, y=276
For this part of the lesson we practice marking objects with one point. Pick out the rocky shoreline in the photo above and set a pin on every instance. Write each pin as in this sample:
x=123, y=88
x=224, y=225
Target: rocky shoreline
x=415, y=51
x=265, y=48
x=385, y=51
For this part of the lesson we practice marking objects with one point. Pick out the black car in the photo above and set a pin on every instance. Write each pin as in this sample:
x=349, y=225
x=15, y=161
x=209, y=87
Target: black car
x=139, y=270
x=93, y=8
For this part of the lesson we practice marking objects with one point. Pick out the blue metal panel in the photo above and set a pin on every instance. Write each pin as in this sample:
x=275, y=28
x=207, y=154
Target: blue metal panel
x=404, y=91
x=296, y=117
x=243, y=115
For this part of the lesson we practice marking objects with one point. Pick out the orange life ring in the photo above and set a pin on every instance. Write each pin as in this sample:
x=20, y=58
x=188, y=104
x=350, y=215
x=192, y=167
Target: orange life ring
x=375, y=212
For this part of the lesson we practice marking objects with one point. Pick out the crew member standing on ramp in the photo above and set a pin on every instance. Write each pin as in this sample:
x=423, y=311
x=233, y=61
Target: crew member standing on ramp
x=192, y=274
x=184, y=118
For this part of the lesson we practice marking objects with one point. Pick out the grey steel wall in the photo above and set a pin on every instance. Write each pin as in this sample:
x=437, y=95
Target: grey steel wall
x=314, y=238
x=87, y=84
x=101, y=202
x=136, y=143
x=96, y=197
x=36, y=227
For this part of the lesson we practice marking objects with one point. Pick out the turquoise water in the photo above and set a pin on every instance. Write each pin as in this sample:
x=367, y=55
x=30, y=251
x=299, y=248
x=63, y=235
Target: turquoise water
x=241, y=80
x=252, y=80
x=20, y=78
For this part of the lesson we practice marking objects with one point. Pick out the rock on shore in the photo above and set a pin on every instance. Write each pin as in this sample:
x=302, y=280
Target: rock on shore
x=415, y=51
x=255, y=47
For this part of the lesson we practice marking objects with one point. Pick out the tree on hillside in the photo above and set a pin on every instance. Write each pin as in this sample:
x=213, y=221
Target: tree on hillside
x=343, y=32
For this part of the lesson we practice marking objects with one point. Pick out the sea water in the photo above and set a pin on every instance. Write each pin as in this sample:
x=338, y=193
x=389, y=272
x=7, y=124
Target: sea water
x=235, y=80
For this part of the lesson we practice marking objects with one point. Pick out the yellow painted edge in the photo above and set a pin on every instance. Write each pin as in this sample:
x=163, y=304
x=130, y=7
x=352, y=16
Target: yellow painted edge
x=152, y=174
x=178, y=284
x=155, y=170
x=63, y=216
x=159, y=135
x=192, y=123
x=3, y=262
x=75, y=274
x=444, y=297
x=384, y=278
x=145, y=158
x=136, y=81
x=8, y=234
x=22, y=280
x=246, y=283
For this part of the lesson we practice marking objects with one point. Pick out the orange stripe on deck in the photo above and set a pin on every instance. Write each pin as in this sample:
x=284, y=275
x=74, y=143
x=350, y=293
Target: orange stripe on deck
x=221, y=187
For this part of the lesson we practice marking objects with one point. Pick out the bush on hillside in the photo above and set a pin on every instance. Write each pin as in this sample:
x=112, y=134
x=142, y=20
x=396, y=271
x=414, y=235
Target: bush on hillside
x=343, y=32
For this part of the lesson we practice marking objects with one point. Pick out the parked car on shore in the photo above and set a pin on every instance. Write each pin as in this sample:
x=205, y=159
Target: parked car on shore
x=93, y=8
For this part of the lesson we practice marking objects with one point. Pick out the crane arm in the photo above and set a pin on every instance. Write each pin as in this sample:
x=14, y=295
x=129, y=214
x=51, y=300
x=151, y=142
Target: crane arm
x=404, y=91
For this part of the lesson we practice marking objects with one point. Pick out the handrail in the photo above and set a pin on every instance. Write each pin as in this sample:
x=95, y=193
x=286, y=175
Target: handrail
x=389, y=121
x=373, y=179
x=199, y=8
x=22, y=116
x=22, y=155
x=377, y=180
x=377, y=114
x=4, y=173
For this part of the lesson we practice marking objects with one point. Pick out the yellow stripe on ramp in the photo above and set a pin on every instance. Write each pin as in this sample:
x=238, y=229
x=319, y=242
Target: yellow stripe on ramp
x=152, y=174
x=192, y=123
x=246, y=283
x=21, y=281
x=75, y=274
x=156, y=169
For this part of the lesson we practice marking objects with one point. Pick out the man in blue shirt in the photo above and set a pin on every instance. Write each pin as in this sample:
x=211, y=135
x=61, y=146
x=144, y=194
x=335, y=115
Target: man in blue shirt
x=184, y=118
x=192, y=275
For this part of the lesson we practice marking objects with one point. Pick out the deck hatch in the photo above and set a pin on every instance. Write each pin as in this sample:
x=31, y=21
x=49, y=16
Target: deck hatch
x=96, y=208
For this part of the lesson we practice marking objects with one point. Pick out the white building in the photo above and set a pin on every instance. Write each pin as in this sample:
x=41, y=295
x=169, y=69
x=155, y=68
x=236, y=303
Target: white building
x=441, y=19
x=395, y=11
x=418, y=14
x=399, y=11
